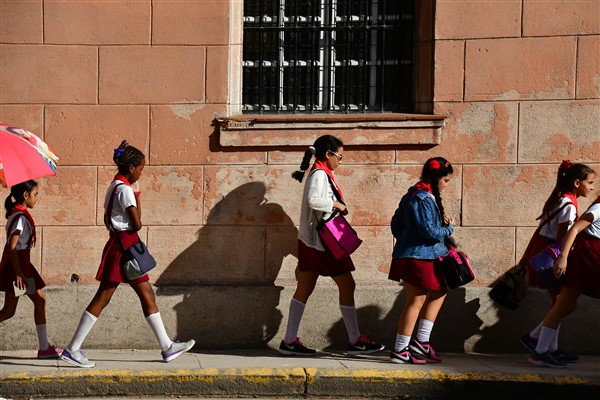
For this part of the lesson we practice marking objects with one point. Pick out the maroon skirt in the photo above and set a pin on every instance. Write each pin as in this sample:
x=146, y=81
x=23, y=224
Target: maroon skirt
x=110, y=266
x=323, y=262
x=583, y=265
x=426, y=274
x=7, y=272
x=539, y=243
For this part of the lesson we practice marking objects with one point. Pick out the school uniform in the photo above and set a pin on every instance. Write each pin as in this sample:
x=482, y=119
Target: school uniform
x=548, y=234
x=583, y=264
x=121, y=232
x=420, y=240
x=317, y=204
x=19, y=221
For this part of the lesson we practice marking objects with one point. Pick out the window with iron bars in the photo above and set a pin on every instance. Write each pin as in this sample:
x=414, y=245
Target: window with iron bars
x=328, y=56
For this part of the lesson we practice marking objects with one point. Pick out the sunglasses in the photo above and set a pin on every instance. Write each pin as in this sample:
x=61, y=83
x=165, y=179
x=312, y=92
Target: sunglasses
x=338, y=156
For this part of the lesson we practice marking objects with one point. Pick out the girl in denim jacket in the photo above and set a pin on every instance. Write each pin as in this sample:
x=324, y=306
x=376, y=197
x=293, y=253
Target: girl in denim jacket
x=421, y=228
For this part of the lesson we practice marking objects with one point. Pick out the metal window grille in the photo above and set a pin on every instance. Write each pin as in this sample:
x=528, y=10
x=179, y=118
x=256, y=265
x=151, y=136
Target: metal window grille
x=327, y=56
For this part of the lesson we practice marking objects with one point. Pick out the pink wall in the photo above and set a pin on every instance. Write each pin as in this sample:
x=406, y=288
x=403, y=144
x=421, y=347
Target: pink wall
x=518, y=79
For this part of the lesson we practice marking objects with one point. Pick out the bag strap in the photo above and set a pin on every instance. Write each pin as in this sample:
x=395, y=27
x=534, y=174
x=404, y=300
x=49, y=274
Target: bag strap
x=537, y=231
x=108, y=211
x=335, y=212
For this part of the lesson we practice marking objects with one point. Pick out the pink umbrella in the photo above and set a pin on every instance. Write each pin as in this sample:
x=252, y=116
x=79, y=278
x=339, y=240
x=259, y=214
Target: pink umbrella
x=23, y=156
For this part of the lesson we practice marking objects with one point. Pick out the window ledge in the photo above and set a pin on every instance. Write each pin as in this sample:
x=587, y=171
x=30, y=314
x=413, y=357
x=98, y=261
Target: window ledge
x=353, y=129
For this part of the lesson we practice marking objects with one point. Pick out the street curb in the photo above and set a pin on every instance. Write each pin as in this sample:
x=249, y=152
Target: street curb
x=297, y=382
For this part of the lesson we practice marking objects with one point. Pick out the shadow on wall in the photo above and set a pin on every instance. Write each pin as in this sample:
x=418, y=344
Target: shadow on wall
x=456, y=323
x=241, y=247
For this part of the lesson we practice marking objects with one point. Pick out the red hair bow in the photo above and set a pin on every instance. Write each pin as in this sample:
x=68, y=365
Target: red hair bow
x=566, y=164
x=434, y=164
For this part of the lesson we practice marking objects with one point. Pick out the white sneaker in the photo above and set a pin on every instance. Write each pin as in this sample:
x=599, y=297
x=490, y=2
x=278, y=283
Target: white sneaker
x=177, y=349
x=77, y=358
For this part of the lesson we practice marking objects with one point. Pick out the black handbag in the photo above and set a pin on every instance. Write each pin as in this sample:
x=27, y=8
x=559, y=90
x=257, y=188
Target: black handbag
x=457, y=269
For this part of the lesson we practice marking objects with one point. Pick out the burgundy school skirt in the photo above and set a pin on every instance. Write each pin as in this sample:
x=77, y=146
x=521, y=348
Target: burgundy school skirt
x=540, y=242
x=426, y=274
x=583, y=265
x=323, y=262
x=110, y=266
x=7, y=273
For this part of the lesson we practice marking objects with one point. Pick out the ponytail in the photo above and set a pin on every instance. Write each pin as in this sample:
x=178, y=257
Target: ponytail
x=17, y=192
x=434, y=169
x=319, y=149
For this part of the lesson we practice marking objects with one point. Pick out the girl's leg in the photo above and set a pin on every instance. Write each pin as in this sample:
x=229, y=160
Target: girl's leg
x=10, y=306
x=565, y=304
x=429, y=312
x=39, y=316
x=306, y=285
x=91, y=314
x=148, y=301
x=415, y=298
x=346, y=287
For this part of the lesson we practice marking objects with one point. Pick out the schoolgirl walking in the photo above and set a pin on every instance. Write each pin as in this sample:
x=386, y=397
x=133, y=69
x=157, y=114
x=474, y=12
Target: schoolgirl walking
x=123, y=212
x=579, y=264
x=421, y=229
x=319, y=201
x=558, y=215
x=16, y=270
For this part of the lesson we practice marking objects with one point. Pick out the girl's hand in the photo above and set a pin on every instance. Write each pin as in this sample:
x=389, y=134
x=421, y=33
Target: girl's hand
x=20, y=280
x=448, y=220
x=342, y=208
x=560, y=266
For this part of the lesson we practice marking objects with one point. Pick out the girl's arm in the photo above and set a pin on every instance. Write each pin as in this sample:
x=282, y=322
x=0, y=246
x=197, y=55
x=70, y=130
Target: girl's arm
x=424, y=211
x=135, y=216
x=560, y=266
x=561, y=230
x=317, y=198
x=14, y=259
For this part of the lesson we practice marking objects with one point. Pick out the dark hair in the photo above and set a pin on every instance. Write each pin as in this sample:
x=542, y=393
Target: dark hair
x=17, y=192
x=434, y=169
x=319, y=149
x=565, y=181
x=125, y=156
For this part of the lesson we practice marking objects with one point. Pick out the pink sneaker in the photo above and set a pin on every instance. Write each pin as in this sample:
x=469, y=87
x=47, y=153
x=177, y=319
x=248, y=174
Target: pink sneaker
x=424, y=350
x=50, y=352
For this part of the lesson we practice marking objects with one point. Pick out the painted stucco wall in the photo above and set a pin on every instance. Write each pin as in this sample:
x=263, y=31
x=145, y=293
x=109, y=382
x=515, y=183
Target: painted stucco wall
x=518, y=79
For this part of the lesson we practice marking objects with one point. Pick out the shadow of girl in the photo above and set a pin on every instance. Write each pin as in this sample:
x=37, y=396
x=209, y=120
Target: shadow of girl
x=227, y=276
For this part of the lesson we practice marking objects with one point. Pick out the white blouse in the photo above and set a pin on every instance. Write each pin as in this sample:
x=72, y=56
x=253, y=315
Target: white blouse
x=317, y=202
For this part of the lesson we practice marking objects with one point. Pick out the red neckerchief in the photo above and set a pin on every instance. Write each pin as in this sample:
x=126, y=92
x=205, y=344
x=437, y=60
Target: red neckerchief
x=423, y=186
x=20, y=209
x=573, y=198
x=323, y=165
x=119, y=177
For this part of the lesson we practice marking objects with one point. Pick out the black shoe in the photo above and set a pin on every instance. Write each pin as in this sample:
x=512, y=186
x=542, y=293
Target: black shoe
x=296, y=348
x=528, y=342
x=565, y=357
x=364, y=345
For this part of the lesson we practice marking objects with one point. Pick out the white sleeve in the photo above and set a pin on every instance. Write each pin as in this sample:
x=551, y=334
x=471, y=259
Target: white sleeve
x=317, y=192
x=567, y=214
x=126, y=198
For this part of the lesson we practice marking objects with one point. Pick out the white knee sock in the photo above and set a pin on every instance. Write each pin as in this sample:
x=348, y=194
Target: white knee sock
x=294, y=318
x=535, y=334
x=547, y=336
x=42, y=334
x=424, y=330
x=401, y=342
x=351, y=322
x=156, y=324
x=86, y=323
x=554, y=344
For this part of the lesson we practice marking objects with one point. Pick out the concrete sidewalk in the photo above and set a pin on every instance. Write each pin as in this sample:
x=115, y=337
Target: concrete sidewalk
x=266, y=373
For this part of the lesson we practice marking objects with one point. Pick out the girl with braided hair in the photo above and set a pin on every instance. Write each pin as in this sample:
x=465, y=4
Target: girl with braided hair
x=321, y=197
x=123, y=220
x=421, y=228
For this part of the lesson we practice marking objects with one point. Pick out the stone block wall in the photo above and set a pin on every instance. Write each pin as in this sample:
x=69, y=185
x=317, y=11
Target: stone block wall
x=519, y=81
